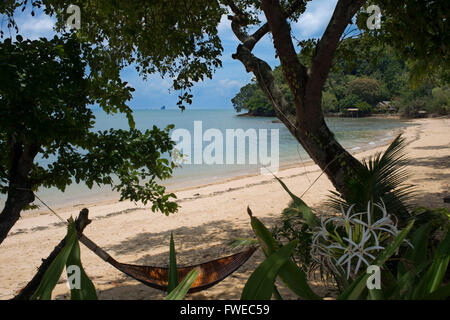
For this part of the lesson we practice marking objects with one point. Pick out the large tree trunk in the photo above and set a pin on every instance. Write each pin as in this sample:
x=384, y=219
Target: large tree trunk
x=305, y=121
x=19, y=194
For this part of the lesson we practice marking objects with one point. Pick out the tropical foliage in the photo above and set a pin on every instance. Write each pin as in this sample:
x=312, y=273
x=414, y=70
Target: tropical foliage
x=361, y=79
x=382, y=176
x=69, y=256
x=420, y=274
x=372, y=227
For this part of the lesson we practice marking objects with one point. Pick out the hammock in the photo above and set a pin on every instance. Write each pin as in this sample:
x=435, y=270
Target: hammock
x=211, y=272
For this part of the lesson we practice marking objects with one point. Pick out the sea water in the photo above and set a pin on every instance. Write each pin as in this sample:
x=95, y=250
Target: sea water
x=355, y=134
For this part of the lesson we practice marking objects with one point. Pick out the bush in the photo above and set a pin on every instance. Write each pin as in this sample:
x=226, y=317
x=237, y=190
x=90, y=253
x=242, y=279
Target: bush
x=364, y=107
x=366, y=89
x=350, y=101
x=329, y=102
x=411, y=107
x=293, y=227
x=440, y=103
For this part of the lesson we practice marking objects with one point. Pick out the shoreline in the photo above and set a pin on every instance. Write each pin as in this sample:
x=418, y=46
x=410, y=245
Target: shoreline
x=104, y=198
x=209, y=217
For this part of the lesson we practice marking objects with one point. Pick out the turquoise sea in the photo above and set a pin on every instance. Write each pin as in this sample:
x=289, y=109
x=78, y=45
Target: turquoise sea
x=353, y=133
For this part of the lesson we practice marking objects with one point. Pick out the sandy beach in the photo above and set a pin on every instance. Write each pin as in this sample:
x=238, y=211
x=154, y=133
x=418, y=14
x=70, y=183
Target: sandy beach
x=208, y=218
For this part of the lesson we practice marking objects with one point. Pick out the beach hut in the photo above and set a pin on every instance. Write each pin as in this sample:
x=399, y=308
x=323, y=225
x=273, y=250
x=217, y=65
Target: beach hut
x=421, y=114
x=352, y=112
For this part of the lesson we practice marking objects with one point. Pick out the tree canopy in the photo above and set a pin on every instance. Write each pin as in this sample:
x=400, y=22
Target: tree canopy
x=48, y=86
x=45, y=96
x=177, y=39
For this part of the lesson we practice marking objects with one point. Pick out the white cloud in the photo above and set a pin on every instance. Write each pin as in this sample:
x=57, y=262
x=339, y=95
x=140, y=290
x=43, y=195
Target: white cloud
x=315, y=19
x=228, y=83
x=35, y=27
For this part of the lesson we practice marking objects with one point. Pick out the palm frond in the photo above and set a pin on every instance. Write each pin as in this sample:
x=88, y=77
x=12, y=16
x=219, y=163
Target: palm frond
x=382, y=176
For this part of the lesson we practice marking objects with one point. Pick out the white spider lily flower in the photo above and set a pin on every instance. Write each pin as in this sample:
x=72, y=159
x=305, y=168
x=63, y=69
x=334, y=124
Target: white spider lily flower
x=383, y=224
x=322, y=230
x=359, y=250
x=359, y=246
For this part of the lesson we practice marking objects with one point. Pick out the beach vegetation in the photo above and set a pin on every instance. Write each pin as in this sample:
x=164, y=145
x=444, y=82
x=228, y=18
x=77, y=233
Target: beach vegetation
x=81, y=287
x=420, y=271
x=373, y=85
x=382, y=176
x=45, y=114
x=375, y=227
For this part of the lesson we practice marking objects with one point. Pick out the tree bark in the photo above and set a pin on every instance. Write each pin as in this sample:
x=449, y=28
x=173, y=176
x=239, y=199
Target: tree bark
x=19, y=194
x=27, y=292
x=305, y=121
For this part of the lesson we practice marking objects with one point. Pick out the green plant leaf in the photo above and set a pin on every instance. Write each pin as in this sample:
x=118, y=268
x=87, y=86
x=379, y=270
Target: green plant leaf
x=182, y=289
x=87, y=288
x=291, y=274
x=356, y=288
x=440, y=264
x=407, y=282
x=441, y=293
x=434, y=275
x=173, y=269
x=416, y=254
x=301, y=206
x=276, y=293
x=54, y=271
x=261, y=283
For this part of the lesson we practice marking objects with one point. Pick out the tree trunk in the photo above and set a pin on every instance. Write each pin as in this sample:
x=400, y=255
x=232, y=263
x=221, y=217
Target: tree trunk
x=19, y=194
x=309, y=128
x=305, y=121
x=328, y=154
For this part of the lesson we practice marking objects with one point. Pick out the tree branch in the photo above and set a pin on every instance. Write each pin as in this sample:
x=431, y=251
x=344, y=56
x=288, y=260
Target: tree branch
x=323, y=56
x=240, y=20
x=294, y=71
x=266, y=82
x=258, y=67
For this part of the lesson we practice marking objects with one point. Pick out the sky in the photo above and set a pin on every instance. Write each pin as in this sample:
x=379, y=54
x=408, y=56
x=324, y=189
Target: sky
x=226, y=82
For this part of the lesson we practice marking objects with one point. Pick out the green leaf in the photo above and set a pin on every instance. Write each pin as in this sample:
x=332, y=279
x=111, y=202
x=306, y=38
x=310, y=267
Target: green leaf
x=261, y=283
x=441, y=293
x=434, y=275
x=87, y=288
x=301, y=206
x=376, y=294
x=356, y=288
x=440, y=264
x=265, y=238
x=418, y=253
x=276, y=293
x=173, y=269
x=291, y=274
x=54, y=271
x=181, y=290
